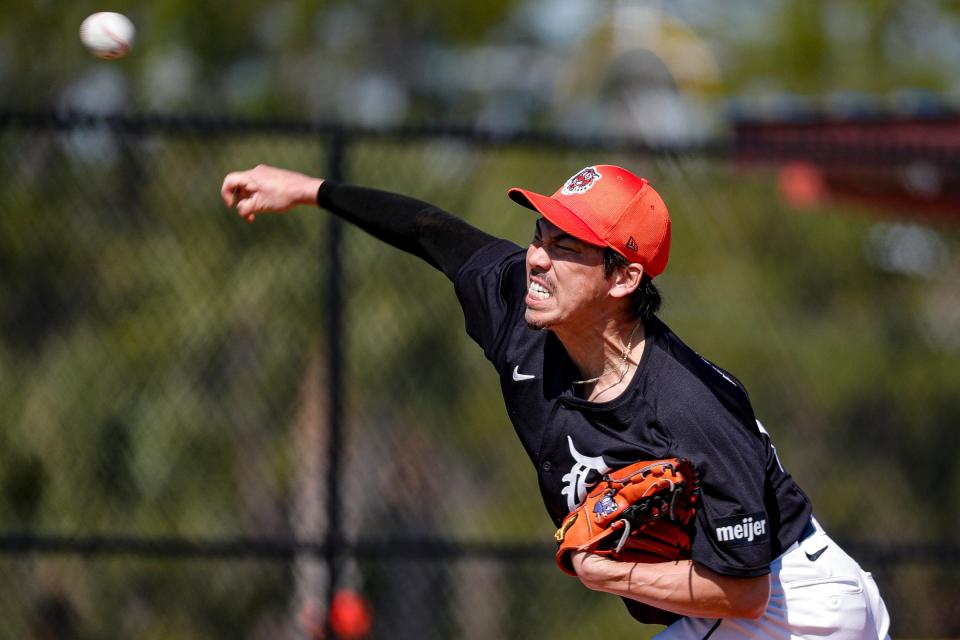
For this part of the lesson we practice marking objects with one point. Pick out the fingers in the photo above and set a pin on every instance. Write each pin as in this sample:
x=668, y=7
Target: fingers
x=233, y=183
x=248, y=206
x=266, y=189
x=240, y=191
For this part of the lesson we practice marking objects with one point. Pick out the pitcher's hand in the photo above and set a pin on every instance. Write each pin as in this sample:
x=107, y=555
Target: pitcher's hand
x=266, y=189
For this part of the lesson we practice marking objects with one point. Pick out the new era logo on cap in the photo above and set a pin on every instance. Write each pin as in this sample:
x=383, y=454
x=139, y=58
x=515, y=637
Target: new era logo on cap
x=608, y=206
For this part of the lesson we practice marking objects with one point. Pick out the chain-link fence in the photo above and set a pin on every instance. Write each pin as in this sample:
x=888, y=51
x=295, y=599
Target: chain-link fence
x=210, y=428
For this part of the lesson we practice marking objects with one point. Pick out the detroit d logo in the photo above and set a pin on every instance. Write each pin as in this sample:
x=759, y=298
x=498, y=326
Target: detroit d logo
x=585, y=472
x=581, y=182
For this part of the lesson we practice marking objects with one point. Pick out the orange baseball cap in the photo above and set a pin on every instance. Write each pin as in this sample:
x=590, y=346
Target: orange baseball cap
x=608, y=206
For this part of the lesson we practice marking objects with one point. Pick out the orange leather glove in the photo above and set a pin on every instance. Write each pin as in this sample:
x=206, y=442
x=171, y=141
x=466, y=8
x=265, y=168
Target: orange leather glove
x=639, y=513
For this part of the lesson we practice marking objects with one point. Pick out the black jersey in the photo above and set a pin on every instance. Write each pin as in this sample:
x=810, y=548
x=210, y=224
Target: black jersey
x=677, y=404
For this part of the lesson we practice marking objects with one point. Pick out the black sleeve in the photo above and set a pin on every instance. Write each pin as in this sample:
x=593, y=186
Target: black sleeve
x=491, y=286
x=441, y=239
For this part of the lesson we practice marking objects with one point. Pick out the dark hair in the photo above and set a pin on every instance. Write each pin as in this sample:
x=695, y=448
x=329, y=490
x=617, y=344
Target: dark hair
x=646, y=298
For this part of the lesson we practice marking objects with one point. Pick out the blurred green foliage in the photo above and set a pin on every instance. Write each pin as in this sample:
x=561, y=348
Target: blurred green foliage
x=500, y=63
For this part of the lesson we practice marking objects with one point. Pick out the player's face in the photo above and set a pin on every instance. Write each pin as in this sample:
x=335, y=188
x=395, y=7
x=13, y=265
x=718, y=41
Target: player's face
x=565, y=279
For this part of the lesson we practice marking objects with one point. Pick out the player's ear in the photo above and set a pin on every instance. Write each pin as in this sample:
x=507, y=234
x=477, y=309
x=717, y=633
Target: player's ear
x=625, y=279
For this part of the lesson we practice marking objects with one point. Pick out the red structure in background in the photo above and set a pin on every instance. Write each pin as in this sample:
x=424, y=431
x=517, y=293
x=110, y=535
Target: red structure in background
x=910, y=166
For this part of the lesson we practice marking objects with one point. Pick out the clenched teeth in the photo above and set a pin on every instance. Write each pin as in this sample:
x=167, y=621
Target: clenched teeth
x=538, y=292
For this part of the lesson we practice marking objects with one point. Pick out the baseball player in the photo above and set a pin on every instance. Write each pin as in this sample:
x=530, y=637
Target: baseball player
x=593, y=381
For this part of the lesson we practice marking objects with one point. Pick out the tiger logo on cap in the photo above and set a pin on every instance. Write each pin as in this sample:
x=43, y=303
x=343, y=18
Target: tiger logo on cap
x=581, y=182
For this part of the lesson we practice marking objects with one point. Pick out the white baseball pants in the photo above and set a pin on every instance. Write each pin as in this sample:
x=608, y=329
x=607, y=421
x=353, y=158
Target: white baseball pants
x=816, y=591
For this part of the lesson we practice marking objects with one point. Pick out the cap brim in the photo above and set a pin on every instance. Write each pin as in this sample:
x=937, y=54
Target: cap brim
x=555, y=212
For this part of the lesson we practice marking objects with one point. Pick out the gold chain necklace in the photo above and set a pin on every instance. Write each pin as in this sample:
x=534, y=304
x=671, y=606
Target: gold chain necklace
x=622, y=364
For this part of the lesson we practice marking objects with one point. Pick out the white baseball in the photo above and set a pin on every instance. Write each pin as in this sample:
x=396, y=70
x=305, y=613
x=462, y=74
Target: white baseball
x=107, y=35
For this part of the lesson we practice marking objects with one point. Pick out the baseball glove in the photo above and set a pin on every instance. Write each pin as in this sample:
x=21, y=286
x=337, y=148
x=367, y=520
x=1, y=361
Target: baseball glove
x=638, y=513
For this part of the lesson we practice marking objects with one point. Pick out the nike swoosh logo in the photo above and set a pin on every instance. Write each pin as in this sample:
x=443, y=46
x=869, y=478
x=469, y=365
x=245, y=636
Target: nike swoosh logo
x=812, y=557
x=520, y=377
